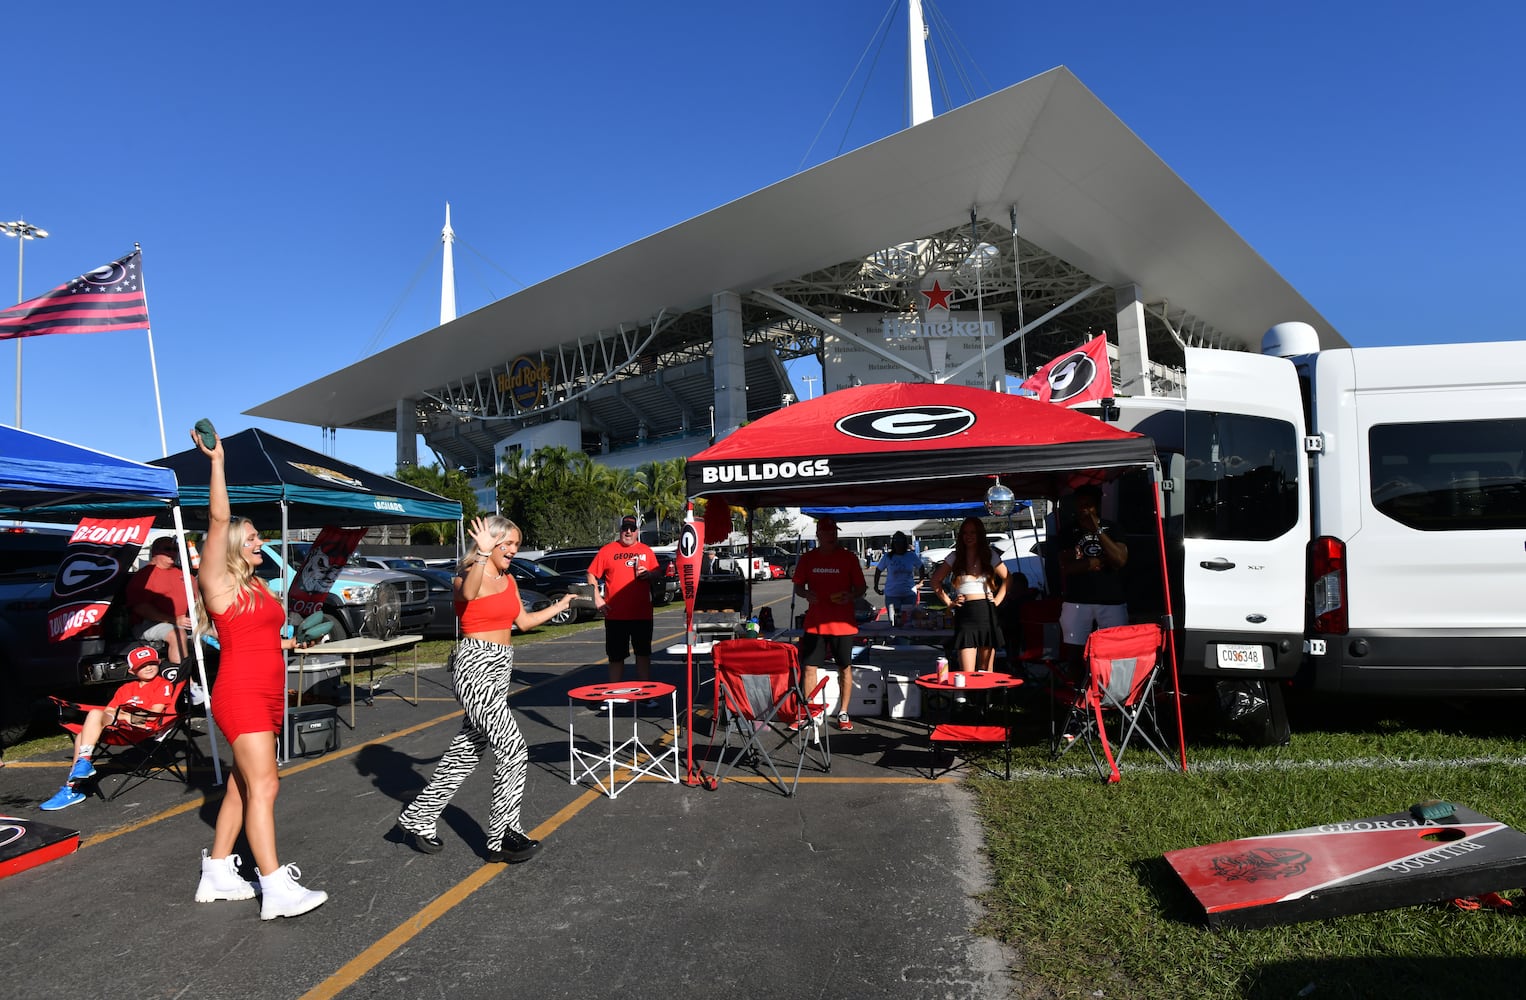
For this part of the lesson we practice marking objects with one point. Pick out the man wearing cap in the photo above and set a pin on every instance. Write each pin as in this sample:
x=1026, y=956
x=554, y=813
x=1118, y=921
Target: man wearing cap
x=156, y=598
x=146, y=692
x=626, y=601
x=830, y=580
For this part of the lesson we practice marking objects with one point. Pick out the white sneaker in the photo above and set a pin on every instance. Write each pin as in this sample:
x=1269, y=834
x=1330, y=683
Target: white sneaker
x=281, y=896
x=220, y=880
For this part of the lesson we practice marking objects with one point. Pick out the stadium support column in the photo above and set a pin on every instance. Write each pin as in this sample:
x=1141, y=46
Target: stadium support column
x=407, y=434
x=730, y=362
x=1133, y=353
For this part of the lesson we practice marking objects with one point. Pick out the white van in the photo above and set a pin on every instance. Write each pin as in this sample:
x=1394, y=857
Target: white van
x=1359, y=512
x=1418, y=565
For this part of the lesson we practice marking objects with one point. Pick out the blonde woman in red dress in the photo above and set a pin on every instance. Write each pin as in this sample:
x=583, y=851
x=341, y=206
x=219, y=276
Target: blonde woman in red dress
x=247, y=704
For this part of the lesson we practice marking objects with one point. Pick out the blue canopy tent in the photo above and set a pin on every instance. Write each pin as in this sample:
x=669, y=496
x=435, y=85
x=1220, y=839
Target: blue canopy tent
x=905, y=512
x=44, y=479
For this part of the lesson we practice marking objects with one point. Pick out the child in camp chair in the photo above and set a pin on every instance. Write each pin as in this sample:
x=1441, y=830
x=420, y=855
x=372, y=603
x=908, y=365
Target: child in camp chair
x=147, y=692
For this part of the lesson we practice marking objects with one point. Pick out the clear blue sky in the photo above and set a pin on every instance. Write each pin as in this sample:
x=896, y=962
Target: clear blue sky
x=286, y=167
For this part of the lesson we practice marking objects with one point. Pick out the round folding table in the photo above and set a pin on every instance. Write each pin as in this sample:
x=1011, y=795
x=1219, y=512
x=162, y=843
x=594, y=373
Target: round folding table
x=953, y=735
x=614, y=766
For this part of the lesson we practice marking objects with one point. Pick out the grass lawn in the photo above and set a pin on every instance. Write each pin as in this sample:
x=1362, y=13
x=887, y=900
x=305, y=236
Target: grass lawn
x=1084, y=895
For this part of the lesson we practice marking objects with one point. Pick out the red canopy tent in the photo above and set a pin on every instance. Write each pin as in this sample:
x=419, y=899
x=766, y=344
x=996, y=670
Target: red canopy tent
x=920, y=441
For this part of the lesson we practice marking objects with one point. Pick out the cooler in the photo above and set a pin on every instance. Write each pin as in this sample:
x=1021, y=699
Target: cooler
x=868, y=695
x=902, y=696
x=312, y=730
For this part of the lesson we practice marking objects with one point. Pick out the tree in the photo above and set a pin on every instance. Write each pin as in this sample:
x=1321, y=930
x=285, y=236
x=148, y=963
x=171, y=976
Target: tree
x=449, y=483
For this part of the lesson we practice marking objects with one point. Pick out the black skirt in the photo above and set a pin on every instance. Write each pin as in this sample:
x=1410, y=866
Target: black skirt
x=976, y=627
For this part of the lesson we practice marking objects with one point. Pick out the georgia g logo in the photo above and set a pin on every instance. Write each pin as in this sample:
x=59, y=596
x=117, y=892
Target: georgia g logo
x=1071, y=377
x=688, y=542
x=83, y=571
x=907, y=423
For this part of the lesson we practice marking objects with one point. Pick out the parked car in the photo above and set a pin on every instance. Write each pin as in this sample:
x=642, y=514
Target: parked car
x=350, y=595
x=442, y=598
x=576, y=562
x=531, y=575
x=387, y=562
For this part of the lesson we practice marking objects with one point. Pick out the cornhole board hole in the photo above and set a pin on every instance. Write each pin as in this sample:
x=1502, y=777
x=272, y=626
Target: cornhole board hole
x=1358, y=866
x=26, y=843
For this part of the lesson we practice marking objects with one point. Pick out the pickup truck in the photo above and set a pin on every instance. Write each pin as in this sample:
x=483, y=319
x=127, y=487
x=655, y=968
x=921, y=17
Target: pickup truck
x=347, y=599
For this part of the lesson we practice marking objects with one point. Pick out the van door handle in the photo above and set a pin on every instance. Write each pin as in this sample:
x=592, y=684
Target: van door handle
x=1218, y=564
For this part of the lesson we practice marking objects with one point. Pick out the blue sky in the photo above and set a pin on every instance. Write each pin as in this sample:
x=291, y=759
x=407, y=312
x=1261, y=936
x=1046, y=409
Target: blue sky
x=285, y=167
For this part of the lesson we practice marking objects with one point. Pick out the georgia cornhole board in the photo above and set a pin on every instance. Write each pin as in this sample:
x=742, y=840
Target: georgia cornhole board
x=1355, y=866
x=26, y=843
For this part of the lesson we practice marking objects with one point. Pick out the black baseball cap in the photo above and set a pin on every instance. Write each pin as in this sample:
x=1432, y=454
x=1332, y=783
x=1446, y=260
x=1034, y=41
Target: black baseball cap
x=628, y=523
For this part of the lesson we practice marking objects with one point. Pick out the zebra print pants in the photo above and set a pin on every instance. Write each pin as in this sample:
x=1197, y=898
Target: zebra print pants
x=482, y=672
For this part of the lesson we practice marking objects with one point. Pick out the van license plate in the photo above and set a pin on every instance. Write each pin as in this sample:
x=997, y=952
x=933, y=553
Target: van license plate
x=1241, y=657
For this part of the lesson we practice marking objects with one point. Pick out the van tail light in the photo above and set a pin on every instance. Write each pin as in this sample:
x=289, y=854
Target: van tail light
x=1327, y=585
x=670, y=571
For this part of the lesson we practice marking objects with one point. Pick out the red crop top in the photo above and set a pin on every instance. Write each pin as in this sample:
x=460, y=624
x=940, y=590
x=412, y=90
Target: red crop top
x=490, y=614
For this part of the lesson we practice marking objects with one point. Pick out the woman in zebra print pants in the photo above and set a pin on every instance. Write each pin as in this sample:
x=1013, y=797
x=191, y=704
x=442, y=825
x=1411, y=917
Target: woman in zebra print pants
x=487, y=602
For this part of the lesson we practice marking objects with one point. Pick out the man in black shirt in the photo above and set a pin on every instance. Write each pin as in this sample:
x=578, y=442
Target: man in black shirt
x=1092, y=558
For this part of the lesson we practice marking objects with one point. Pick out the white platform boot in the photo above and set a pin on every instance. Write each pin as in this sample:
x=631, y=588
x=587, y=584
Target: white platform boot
x=220, y=880
x=281, y=896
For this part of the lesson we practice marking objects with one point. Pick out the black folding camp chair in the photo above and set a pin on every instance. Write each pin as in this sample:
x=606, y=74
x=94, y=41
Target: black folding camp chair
x=759, y=699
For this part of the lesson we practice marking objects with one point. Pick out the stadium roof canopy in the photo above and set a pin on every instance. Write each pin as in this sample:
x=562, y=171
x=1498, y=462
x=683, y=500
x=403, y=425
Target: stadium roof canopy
x=1092, y=205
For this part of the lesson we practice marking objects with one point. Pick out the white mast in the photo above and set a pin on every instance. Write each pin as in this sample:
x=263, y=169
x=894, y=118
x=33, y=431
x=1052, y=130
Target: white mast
x=919, y=92
x=448, y=273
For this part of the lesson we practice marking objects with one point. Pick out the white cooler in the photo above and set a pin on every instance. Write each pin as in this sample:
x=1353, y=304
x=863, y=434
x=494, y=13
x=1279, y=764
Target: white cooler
x=903, y=697
x=868, y=697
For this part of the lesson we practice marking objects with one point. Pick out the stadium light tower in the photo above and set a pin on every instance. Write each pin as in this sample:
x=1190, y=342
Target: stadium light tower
x=23, y=231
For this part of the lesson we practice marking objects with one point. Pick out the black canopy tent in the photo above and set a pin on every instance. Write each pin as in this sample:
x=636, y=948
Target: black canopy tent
x=904, y=442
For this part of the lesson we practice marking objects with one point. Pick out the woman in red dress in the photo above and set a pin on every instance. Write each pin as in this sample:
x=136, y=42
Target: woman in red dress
x=247, y=703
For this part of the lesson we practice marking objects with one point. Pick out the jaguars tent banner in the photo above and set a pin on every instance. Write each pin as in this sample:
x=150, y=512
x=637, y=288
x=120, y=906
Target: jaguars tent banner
x=94, y=570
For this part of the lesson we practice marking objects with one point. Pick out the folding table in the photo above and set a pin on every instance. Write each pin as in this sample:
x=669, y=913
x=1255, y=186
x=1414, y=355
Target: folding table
x=626, y=756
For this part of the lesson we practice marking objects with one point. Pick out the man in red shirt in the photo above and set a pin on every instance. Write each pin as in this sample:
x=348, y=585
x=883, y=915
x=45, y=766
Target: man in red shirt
x=156, y=598
x=624, y=566
x=831, y=580
x=146, y=692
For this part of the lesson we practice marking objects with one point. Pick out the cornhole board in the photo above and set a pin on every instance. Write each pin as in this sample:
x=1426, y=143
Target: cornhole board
x=26, y=843
x=1356, y=866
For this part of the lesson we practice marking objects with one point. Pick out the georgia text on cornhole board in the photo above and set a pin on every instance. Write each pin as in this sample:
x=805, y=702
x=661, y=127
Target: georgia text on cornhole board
x=1350, y=867
x=26, y=843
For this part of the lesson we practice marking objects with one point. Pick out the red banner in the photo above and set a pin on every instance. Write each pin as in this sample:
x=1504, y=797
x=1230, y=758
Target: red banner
x=94, y=570
x=320, y=569
x=1081, y=375
x=691, y=557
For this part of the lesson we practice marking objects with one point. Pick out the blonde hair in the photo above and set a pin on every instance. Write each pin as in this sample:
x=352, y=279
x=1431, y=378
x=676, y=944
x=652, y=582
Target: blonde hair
x=245, y=583
x=497, y=526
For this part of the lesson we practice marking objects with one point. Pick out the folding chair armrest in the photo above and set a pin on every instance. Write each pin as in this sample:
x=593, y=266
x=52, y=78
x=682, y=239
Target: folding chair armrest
x=73, y=706
x=820, y=686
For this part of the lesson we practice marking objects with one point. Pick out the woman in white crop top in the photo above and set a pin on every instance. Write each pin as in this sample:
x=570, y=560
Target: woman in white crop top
x=971, y=583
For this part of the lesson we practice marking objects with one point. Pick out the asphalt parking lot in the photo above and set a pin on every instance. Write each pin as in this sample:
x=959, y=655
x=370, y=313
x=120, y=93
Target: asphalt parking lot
x=864, y=884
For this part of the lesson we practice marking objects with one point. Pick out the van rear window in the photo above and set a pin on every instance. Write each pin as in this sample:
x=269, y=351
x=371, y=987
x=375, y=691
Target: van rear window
x=1452, y=475
x=1242, y=476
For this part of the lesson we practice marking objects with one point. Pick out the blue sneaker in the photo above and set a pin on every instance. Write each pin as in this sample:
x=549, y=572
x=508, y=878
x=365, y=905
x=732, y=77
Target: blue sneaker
x=82, y=769
x=63, y=799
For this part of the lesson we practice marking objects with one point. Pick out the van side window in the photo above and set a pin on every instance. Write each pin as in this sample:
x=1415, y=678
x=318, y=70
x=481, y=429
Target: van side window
x=1454, y=475
x=1242, y=476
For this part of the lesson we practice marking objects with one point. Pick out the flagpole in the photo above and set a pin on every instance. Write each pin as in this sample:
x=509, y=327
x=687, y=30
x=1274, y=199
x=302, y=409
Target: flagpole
x=153, y=364
x=23, y=231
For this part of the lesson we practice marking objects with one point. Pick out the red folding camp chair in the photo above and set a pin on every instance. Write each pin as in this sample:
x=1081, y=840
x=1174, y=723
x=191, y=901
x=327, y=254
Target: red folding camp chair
x=1121, y=666
x=164, y=747
x=1039, y=639
x=758, y=691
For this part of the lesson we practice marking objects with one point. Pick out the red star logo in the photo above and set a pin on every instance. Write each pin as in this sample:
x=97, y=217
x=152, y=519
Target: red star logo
x=937, y=296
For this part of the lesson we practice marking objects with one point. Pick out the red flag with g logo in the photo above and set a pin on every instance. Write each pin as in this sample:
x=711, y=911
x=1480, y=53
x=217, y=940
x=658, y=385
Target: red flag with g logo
x=1081, y=375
